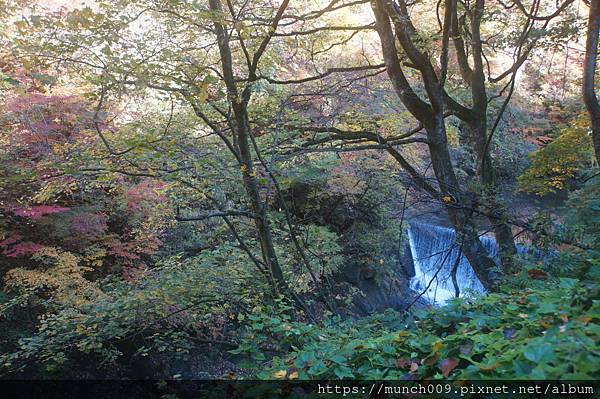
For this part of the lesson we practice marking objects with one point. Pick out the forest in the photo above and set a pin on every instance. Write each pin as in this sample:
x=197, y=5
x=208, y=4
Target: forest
x=299, y=190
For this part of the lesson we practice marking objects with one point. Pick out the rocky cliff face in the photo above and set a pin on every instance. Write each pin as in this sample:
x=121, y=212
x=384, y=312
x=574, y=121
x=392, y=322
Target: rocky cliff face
x=378, y=277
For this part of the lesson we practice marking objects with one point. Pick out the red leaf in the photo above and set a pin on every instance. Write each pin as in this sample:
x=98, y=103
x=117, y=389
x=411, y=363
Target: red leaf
x=35, y=212
x=23, y=249
x=447, y=365
x=11, y=240
x=537, y=274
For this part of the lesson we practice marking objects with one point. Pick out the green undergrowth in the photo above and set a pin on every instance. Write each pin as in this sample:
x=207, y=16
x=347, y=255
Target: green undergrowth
x=551, y=331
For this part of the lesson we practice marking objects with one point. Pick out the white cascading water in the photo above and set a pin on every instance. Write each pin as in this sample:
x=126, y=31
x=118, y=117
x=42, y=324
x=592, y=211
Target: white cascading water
x=435, y=253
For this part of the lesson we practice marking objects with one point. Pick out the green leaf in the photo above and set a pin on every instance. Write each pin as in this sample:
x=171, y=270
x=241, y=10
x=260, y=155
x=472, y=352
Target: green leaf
x=541, y=352
x=568, y=282
x=317, y=368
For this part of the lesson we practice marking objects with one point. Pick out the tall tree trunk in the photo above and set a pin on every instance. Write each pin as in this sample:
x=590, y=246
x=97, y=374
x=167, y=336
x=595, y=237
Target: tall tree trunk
x=466, y=231
x=589, y=72
x=478, y=133
x=496, y=210
x=258, y=205
x=241, y=131
x=432, y=117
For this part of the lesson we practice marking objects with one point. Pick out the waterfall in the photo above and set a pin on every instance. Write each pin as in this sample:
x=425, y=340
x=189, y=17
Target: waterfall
x=435, y=254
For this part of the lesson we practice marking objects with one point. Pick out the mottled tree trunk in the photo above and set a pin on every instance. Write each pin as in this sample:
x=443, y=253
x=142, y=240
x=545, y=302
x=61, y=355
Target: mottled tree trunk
x=431, y=115
x=476, y=120
x=466, y=231
x=589, y=71
x=496, y=212
x=241, y=132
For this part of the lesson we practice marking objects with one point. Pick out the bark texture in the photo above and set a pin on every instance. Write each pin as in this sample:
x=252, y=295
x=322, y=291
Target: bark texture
x=589, y=72
x=431, y=115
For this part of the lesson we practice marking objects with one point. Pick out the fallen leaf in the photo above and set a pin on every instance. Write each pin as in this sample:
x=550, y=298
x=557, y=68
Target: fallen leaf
x=488, y=367
x=448, y=199
x=280, y=374
x=447, y=365
x=402, y=362
x=545, y=324
x=293, y=375
x=437, y=346
x=509, y=333
x=431, y=360
x=537, y=274
x=465, y=349
x=414, y=367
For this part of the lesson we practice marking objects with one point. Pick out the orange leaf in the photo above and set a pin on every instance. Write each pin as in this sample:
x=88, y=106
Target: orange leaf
x=447, y=365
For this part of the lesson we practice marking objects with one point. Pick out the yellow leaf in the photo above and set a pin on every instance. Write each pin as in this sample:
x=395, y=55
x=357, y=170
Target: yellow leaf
x=293, y=375
x=203, y=91
x=437, y=346
x=488, y=367
x=447, y=199
x=544, y=324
